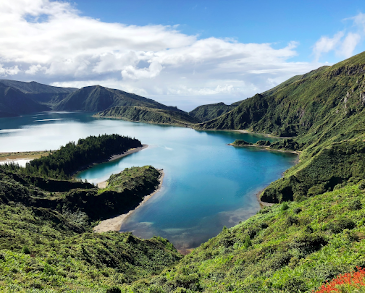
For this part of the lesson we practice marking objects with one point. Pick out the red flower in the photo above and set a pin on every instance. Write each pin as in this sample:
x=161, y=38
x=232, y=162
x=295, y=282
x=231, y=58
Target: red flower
x=355, y=279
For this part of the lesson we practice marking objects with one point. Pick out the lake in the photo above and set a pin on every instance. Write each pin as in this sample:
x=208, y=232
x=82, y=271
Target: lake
x=207, y=185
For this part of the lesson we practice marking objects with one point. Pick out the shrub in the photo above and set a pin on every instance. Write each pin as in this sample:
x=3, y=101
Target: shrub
x=284, y=206
x=291, y=221
x=295, y=284
x=362, y=185
x=113, y=290
x=248, y=242
x=307, y=243
x=297, y=210
x=25, y=250
x=355, y=205
x=338, y=226
x=280, y=260
x=264, y=225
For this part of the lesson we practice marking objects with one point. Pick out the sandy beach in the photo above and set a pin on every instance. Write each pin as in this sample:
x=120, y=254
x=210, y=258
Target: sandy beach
x=115, y=223
x=130, y=151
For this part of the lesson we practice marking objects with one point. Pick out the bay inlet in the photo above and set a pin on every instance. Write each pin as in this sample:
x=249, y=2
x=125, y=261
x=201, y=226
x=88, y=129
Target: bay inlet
x=207, y=184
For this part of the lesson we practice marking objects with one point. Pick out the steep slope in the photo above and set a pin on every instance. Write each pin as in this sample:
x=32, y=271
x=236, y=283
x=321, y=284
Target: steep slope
x=39, y=92
x=13, y=103
x=284, y=248
x=298, y=104
x=46, y=242
x=324, y=111
x=149, y=115
x=211, y=111
x=98, y=98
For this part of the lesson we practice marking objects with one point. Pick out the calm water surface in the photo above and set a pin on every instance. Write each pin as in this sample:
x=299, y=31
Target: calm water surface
x=207, y=183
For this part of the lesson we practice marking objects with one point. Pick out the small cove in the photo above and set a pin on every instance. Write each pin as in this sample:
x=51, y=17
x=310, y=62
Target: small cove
x=207, y=183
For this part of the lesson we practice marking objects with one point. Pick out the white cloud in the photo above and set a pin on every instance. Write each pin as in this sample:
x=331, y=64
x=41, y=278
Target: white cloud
x=349, y=43
x=5, y=71
x=33, y=69
x=359, y=21
x=326, y=44
x=342, y=43
x=51, y=42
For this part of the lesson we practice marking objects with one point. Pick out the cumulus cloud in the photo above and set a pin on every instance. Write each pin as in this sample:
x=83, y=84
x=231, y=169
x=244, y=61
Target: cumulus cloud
x=6, y=71
x=326, y=44
x=349, y=44
x=51, y=42
x=342, y=43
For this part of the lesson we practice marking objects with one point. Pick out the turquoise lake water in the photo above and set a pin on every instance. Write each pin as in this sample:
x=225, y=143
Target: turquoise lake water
x=207, y=184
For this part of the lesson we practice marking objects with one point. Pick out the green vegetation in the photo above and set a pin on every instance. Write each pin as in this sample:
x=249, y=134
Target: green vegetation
x=13, y=102
x=126, y=191
x=292, y=247
x=240, y=142
x=324, y=113
x=211, y=111
x=46, y=241
x=73, y=157
x=19, y=98
x=149, y=115
x=333, y=167
x=316, y=232
x=98, y=98
x=134, y=178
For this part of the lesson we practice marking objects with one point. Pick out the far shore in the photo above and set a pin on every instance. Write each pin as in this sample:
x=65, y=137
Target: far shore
x=114, y=224
x=29, y=155
x=245, y=131
x=265, y=148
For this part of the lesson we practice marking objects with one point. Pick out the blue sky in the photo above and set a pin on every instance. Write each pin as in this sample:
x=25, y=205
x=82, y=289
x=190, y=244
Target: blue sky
x=276, y=22
x=183, y=53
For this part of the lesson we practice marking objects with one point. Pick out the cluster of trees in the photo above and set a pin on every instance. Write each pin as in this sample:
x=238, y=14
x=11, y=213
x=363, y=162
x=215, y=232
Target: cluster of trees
x=72, y=157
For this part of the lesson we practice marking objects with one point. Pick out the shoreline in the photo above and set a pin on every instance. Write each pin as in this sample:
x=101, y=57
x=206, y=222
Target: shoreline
x=146, y=122
x=130, y=151
x=112, y=158
x=114, y=224
x=244, y=131
x=263, y=204
x=267, y=148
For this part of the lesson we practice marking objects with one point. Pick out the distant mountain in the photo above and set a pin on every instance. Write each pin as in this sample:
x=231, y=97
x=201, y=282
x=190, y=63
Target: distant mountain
x=148, y=115
x=39, y=92
x=29, y=97
x=13, y=102
x=211, y=111
x=98, y=98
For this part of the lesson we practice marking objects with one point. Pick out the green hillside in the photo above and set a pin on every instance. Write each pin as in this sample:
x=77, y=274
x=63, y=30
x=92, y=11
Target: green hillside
x=40, y=93
x=324, y=113
x=98, y=98
x=149, y=115
x=134, y=178
x=291, y=247
x=46, y=238
x=211, y=111
x=13, y=102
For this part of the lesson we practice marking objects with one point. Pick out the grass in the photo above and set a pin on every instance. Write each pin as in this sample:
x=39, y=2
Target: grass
x=47, y=243
x=292, y=247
